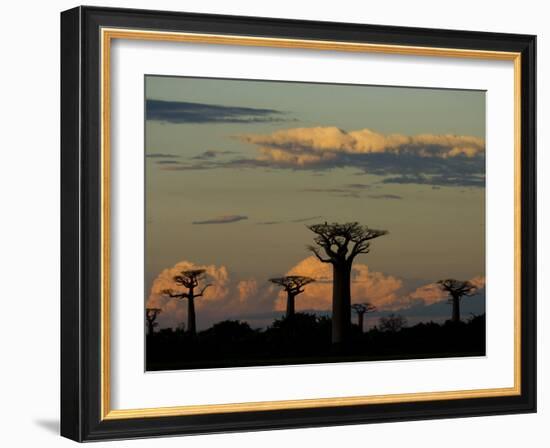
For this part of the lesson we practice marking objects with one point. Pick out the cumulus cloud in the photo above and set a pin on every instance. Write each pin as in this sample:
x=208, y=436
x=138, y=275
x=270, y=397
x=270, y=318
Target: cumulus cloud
x=303, y=146
x=247, y=289
x=227, y=298
x=259, y=302
x=366, y=286
x=386, y=292
x=225, y=219
x=442, y=160
x=174, y=311
x=432, y=293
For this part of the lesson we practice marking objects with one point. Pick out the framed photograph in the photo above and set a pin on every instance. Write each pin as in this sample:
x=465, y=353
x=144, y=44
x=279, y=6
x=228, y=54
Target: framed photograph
x=273, y=223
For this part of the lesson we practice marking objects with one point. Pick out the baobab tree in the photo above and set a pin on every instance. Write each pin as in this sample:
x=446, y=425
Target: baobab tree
x=392, y=323
x=456, y=290
x=293, y=285
x=189, y=279
x=341, y=243
x=361, y=309
x=151, y=316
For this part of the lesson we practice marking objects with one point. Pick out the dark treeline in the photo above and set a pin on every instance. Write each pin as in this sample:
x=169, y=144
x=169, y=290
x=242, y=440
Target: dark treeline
x=306, y=338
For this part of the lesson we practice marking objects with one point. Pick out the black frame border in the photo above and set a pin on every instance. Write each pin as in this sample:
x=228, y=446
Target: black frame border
x=81, y=223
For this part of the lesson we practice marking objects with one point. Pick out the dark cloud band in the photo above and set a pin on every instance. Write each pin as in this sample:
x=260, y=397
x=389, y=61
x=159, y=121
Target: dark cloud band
x=186, y=112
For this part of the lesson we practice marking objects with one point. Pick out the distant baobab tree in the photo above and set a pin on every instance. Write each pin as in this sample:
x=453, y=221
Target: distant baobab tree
x=456, y=290
x=361, y=309
x=293, y=285
x=341, y=243
x=392, y=323
x=189, y=279
x=151, y=316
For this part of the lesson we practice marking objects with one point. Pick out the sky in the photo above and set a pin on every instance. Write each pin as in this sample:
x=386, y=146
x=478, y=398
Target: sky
x=237, y=169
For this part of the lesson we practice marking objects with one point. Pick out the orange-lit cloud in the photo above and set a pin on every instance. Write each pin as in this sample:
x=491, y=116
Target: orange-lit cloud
x=247, y=289
x=305, y=146
x=175, y=310
x=367, y=286
x=249, y=300
x=432, y=292
x=227, y=298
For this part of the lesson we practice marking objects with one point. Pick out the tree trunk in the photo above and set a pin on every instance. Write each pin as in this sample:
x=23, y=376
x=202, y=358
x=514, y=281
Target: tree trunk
x=360, y=321
x=341, y=302
x=456, y=309
x=290, y=304
x=191, y=324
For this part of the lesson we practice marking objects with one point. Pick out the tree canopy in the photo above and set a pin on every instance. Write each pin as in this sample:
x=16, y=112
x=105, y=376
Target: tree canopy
x=342, y=242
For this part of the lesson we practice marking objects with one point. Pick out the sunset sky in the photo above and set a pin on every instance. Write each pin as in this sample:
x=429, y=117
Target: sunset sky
x=236, y=170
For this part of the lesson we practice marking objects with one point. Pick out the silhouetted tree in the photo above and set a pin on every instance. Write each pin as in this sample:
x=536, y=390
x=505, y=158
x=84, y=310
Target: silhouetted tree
x=456, y=290
x=293, y=285
x=341, y=243
x=151, y=316
x=229, y=331
x=361, y=309
x=392, y=323
x=189, y=279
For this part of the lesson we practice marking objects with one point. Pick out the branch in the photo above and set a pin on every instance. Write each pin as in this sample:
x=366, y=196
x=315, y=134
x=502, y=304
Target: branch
x=200, y=294
x=172, y=294
x=316, y=253
x=359, y=248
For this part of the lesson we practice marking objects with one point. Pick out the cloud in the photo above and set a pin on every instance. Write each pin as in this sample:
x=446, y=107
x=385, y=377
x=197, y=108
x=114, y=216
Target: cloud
x=211, y=154
x=269, y=223
x=247, y=289
x=366, y=286
x=159, y=155
x=225, y=219
x=441, y=160
x=386, y=292
x=384, y=196
x=352, y=191
x=174, y=311
x=309, y=218
x=259, y=302
x=311, y=145
x=450, y=160
x=186, y=112
x=167, y=162
x=227, y=298
x=456, y=180
x=432, y=293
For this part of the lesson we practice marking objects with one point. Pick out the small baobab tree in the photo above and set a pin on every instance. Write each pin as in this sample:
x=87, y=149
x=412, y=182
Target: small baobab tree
x=456, y=290
x=151, y=315
x=341, y=243
x=293, y=285
x=361, y=309
x=190, y=280
x=392, y=323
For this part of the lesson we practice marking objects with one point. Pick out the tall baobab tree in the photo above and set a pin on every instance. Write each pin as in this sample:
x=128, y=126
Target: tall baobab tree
x=341, y=243
x=151, y=316
x=293, y=285
x=361, y=309
x=189, y=279
x=456, y=290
